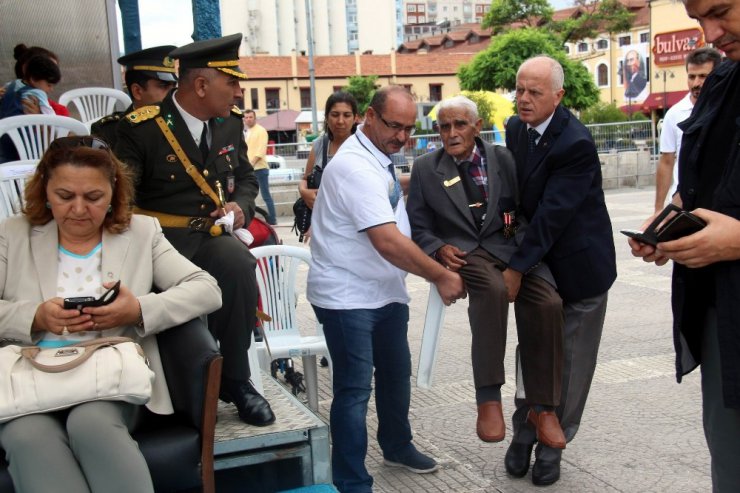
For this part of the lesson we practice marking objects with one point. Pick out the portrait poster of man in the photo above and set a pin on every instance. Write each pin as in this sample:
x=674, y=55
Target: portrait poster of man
x=634, y=72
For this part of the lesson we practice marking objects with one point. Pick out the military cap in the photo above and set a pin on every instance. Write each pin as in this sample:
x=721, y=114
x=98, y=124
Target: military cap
x=219, y=53
x=154, y=62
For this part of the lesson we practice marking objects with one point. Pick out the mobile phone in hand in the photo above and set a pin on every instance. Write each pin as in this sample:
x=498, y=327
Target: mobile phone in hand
x=84, y=301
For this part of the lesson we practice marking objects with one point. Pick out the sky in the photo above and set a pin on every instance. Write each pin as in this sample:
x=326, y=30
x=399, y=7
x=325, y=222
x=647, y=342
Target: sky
x=166, y=22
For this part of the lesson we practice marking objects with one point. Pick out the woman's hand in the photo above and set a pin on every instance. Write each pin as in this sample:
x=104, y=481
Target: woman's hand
x=124, y=310
x=52, y=317
x=309, y=196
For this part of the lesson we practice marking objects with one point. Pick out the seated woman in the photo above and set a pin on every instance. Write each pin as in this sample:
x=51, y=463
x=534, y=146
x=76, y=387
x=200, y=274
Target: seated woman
x=77, y=237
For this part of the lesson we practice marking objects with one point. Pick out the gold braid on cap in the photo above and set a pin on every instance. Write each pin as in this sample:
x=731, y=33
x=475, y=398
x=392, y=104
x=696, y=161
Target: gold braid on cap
x=224, y=63
x=153, y=68
x=235, y=73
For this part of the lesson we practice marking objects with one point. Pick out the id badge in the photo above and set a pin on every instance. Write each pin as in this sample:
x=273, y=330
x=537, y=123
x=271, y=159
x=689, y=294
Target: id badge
x=230, y=183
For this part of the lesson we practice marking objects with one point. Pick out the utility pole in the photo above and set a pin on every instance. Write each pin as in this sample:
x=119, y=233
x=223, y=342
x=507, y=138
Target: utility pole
x=311, y=71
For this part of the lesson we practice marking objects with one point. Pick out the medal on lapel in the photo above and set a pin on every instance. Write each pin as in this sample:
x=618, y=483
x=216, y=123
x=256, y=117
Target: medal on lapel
x=509, y=224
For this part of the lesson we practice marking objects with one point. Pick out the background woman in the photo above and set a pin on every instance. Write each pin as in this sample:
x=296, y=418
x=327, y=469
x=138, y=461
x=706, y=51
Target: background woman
x=340, y=121
x=77, y=237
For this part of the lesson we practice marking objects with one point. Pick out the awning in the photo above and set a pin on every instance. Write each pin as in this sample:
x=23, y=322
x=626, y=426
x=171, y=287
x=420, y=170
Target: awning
x=283, y=120
x=655, y=100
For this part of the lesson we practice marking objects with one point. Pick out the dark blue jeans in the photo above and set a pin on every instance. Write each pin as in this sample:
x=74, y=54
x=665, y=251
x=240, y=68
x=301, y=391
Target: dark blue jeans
x=359, y=340
x=263, y=176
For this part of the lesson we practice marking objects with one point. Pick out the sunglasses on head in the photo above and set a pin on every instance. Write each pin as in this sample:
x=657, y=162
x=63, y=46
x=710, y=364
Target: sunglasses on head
x=74, y=141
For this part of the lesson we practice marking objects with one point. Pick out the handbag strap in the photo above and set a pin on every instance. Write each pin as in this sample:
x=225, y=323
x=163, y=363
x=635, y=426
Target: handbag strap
x=30, y=353
x=191, y=170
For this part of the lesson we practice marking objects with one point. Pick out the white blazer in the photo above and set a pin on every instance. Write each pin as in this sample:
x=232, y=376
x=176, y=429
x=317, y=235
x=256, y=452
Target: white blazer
x=141, y=257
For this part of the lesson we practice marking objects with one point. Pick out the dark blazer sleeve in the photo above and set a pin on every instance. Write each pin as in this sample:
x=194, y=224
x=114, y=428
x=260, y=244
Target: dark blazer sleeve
x=572, y=166
x=421, y=214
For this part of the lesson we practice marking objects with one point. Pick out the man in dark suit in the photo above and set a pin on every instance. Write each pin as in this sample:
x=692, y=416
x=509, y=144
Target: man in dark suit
x=569, y=228
x=197, y=124
x=462, y=206
x=150, y=75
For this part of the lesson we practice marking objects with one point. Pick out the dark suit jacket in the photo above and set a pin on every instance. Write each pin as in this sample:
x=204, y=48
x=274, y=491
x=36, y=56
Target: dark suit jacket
x=635, y=86
x=562, y=198
x=438, y=210
x=162, y=183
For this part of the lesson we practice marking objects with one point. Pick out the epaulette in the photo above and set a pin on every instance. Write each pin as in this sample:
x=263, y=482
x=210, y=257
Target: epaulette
x=235, y=110
x=111, y=118
x=143, y=114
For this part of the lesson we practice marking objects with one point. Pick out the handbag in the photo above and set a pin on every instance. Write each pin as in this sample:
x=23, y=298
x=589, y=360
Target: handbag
x=39, y=380
x=301, y=211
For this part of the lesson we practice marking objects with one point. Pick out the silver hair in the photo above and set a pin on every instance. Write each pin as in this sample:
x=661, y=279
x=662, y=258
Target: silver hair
x=557, y=76
x=459, y=101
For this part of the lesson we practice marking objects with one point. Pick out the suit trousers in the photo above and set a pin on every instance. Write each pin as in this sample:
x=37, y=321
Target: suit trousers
x=229, y=261
x=87, y=448
x=584, y=322
x=539, y=316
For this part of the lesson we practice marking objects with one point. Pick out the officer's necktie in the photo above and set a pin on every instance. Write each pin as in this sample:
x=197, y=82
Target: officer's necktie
x=532, y=135
x=204, y=142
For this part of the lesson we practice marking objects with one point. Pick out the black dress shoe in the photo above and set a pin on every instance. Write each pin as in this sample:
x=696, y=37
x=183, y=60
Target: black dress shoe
x=252, y=407
x=517, y=459
x=545, y=472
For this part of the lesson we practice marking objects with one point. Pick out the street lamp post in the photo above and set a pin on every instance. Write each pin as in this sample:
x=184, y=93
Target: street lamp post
x=664, y=74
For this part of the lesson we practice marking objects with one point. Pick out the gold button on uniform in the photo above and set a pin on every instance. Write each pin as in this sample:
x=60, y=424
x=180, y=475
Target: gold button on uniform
x=172, y=177
x=205, y=172
x=202, y=207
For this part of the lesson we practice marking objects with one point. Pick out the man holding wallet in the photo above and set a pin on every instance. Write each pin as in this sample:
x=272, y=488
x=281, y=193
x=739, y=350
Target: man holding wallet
x=706, y=270
x=559, y=176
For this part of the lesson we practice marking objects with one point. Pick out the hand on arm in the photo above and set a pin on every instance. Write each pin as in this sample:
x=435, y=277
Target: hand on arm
x=404, y=254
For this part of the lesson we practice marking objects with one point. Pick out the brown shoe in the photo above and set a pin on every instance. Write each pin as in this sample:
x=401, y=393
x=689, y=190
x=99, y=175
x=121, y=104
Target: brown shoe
x=490, y=426
x=549, y=432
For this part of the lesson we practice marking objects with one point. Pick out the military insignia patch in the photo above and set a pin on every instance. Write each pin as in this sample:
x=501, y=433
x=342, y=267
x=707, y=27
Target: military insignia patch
x=235, y=109
x=143, y=114
x=171, y=158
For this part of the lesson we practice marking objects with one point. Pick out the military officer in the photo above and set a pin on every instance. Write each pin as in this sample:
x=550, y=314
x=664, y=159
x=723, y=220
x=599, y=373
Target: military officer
x=150, y=75
x=197, y=127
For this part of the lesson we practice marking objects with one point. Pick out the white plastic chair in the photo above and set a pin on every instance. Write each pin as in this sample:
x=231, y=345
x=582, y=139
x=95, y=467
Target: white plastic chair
x=278, y=267
x=12, y=183
x=93, y=103
x=32, y=134
x=433, y=322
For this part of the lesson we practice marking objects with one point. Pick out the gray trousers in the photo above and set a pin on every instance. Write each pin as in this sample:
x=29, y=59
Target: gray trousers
x=721, y=424
x=85, y=449
x=584, y=322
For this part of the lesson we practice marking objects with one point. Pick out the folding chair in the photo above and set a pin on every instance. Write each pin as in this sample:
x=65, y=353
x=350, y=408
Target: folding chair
x=93, y=103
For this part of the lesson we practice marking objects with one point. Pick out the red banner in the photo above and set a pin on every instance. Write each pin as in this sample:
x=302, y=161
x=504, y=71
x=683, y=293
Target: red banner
x=671, y=48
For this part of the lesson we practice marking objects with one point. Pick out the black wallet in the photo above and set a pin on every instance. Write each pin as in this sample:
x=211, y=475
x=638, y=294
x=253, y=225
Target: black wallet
x=683, y=223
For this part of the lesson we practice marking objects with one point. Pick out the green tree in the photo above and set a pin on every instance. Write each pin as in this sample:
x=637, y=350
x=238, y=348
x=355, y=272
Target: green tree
x=605, y=16
x=496, y=66
x=486, y=108
x=504, y=13
x=603, y=113
x=363, y=89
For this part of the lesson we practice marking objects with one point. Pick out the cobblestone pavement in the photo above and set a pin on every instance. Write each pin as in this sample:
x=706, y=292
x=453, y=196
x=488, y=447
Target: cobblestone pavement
x=641, y=431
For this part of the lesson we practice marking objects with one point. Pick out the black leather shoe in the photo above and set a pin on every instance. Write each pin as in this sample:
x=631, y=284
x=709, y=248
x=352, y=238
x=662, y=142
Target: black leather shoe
x=517, y=459
x=252, y=407
x=545, y=472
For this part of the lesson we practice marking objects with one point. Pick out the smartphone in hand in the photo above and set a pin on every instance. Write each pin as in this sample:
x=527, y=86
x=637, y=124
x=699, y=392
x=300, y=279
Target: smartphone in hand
x=83, y=301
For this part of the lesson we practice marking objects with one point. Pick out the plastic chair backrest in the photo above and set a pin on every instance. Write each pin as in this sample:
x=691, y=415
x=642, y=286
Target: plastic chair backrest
x=93, y=103
x=278, y=266
x=12, y=183
x=32, y=134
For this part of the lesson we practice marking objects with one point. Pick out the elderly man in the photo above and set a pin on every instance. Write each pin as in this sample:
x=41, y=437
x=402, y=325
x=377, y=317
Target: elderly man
x=191, y=165
x=706, y=269
x=569, y=228
x=699, y=64
x=463, y=202
x=361, y=251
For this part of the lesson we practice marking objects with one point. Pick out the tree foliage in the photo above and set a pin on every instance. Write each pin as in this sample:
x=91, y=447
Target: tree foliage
x=363, y=89
x=605, y=16
x=496, y=66
x=504, y=13
x=603, y=113
x=486, y=108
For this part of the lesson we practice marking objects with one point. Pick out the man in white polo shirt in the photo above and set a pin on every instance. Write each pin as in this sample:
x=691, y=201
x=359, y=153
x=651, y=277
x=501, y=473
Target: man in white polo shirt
x=699, y=64
x=361, y=252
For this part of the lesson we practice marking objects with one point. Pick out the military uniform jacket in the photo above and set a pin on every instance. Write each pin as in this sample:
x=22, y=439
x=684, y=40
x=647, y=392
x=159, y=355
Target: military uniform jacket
x=105, y=128
x=163, y=185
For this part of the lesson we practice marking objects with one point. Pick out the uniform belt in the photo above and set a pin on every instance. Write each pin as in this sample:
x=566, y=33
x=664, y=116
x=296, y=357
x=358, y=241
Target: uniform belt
x=174, y=221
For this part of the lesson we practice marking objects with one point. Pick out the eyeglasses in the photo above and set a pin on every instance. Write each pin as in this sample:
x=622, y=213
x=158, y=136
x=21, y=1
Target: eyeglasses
x=74, y=141
x=397, y=127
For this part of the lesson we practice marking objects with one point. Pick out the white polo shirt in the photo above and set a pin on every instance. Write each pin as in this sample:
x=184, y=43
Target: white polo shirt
x=346, y=271
x=671, y=135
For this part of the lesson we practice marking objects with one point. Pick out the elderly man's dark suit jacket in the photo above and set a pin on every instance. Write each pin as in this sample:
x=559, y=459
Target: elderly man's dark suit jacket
x=438, y=207
x=561, y=197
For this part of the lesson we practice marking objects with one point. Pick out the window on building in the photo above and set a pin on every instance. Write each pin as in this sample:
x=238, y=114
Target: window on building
x=410, y=19
x=479, y=9
x=602, y=44
x=621, y=72
x=421, y=19
x=408, y=87
x=254, y=96
x=435, y=92
x=582, y=47
x=625, y=40
x=566, y=48
x=449, y=43
x=644, y=37
x=421, y=8
x=411, y=7
x=602, y=75
x=272, y=99
x=647, y=67
x=305, y=98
